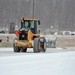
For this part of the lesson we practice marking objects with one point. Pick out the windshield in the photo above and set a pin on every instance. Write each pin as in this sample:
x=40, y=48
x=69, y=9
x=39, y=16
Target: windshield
x=28, y=24
x=32, y=24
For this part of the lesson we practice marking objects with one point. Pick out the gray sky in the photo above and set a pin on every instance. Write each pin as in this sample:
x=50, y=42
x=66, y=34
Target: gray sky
x=57, y=13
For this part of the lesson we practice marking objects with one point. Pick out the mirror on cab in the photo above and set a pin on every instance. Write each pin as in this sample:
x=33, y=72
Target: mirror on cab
x=38, y=22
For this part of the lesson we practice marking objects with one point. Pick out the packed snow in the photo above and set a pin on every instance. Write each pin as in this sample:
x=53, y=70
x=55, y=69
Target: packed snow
x=60, y=63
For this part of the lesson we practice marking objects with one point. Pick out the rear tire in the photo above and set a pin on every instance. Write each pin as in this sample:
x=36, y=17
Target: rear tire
x=43, y=44
x=24, y=50
x=44, y=50
x=36, y=43
x=16, y=48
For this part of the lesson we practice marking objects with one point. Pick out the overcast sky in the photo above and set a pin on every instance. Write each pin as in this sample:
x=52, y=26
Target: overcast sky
x=57, y=13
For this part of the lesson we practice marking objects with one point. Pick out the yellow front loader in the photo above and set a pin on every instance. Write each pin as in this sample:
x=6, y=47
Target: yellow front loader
x=29, y=37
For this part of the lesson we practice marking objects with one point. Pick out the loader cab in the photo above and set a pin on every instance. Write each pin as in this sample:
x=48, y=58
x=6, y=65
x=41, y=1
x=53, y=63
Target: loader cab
x=30, y=24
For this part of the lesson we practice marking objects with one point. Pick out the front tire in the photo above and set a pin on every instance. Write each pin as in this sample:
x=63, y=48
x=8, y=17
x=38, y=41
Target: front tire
x=44, y=50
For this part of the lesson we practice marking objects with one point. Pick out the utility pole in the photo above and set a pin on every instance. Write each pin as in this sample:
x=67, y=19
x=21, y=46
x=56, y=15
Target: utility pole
x=32, y=7
x=33, y=10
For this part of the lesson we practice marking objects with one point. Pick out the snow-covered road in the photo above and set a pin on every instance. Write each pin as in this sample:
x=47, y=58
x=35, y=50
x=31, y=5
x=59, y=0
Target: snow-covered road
x=53, y=62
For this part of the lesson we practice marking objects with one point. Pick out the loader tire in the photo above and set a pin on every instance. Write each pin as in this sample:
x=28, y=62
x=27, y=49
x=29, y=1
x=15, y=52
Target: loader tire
x=36, y=43
x=24, y=50
x=16, y=48
x=43, y=46
x=44, y=50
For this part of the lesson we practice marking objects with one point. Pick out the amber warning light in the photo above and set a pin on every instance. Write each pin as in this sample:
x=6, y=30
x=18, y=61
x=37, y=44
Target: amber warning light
x=16, y=32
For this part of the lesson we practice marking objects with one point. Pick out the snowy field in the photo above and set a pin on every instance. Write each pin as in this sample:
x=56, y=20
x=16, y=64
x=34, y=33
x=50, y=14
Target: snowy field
x=62, y=41
x=54, y=62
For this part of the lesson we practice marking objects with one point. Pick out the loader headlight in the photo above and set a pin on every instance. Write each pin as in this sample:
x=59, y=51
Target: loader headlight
x=23, y=35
